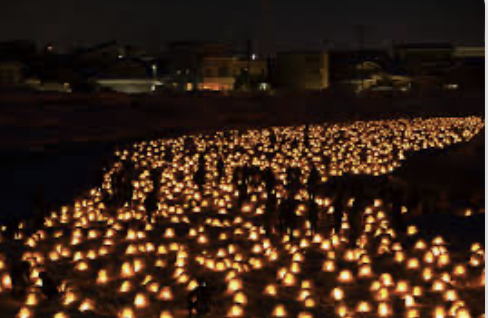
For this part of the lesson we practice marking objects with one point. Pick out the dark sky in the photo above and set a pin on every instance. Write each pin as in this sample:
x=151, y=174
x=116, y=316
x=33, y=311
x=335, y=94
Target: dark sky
x=295, y=22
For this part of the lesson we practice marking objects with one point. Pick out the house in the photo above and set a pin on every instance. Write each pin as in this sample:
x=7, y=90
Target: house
x=218, y=74
x=184, y=70
x=232, y=73
x=302, y=70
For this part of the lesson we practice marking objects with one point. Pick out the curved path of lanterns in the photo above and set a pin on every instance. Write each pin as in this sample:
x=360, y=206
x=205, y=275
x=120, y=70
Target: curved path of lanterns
x=112, y=261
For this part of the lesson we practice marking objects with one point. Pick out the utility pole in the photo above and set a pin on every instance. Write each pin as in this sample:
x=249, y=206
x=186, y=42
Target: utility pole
x=266, y=28
x=249, y=57
x=360, y=37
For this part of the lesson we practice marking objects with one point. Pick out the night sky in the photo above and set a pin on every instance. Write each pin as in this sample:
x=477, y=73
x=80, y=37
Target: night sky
x=296, y=23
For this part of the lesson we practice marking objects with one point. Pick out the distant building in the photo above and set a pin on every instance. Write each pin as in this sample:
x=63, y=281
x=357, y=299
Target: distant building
x=130, y=85
x=359, y=70
x=468, y=69
x=233, y=73
x=302, y=70
x=184, y=62
x=469, y=52
x=18, y=50
x=130, y=76
x=11, y=73
x=54, y=86
x=218, y=74
x=426, y=59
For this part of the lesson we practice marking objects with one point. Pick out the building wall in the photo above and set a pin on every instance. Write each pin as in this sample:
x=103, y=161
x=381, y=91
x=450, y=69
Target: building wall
x=218, y=74
x=130, y=86
x=302, y=71
x=469, y=52
x=10, y=73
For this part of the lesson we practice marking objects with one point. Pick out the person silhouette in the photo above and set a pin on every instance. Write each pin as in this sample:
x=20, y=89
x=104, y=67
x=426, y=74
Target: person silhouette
x=49, y=287
x=151, y=204
x=338, y=212
x=269, y=213
x=313, y=181
x=220, y=169
x=313, y=215
x=199, y=299
x=20, y=274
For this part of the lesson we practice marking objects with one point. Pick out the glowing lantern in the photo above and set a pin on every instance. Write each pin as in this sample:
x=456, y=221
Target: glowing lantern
x=306, y=284
x=6, y=281
x=337, y=294
x=140, y=301
x=125, y=287
x=234, y=285
x=402, y=287
x=345, y=276
x=443, y=260
x=289, y=279
x=240, y=298
x=192, y=285
x=183, y=279
x=153, y=287
x=102, y=277
x=24, y=312
x=384, y=310
x=127, y=270
x=69, y=298
x=450, y=295
x=439, y=312
x=463, y=313
x=236, y=311
x=127, y=313
x=270, y=290
x=309, y=302
x=459, y=270
x=279, y=311
x=417, y=291
x=412, y=230
x=87, y=305
x=169, y=233
x=412, y=313
x=166, y=314
x=342, y=310
x=399, y=257
x=438, y=286
x=295, y=268
x=363, y=307
x=413, y=263
x=303, y=295
x=165, y=294
x=138, y=265
x=31, y=300
x=329, y=266
x=429, y=257
x=420, y=245
x=365, y=271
